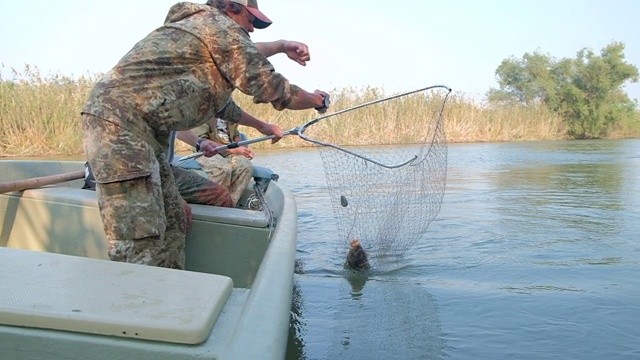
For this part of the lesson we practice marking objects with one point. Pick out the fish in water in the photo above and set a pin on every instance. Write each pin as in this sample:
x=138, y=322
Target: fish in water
x=357, y=258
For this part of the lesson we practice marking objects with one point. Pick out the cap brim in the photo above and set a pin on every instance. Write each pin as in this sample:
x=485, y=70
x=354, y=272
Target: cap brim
x=261, y=20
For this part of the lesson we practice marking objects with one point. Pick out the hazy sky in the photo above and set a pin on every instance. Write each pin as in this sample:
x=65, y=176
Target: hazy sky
x=400, y=46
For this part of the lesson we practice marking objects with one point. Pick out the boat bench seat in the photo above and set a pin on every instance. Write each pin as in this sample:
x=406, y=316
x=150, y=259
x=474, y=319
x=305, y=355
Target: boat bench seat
x=77, y=294
x=66, y=220
x=74, y=196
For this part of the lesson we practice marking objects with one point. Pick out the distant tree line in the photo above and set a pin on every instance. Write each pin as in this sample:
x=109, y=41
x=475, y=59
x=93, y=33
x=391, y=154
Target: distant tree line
x=586, y=92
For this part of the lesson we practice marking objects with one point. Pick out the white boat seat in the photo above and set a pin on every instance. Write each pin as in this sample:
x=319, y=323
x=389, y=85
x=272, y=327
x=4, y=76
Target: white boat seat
x=77, y=294
x=68, y=195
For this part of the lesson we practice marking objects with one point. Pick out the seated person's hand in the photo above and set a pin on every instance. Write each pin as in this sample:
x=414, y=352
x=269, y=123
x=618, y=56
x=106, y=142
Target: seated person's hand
x=208, y=148
x=242, y=150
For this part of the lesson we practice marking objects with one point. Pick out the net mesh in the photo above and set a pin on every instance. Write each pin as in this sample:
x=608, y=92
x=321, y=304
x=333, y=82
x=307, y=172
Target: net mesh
x=387, y=209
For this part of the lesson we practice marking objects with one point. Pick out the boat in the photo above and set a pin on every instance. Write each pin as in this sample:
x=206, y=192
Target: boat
x=61, y=298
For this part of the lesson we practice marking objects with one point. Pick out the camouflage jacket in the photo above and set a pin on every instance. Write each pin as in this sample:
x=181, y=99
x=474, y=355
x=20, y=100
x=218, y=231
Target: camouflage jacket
x=183, y=73
x=210, y=131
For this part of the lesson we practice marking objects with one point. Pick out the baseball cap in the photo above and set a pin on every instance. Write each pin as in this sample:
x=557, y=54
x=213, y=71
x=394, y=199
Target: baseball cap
x=261, y=21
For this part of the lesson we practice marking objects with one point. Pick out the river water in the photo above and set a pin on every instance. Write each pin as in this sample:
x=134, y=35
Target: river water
x=534, y=255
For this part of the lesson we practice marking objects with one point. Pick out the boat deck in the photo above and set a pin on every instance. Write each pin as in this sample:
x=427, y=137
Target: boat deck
x=102, y=297
x=61, y=299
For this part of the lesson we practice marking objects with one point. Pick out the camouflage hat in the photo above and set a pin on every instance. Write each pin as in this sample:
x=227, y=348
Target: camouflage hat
x=261, y=20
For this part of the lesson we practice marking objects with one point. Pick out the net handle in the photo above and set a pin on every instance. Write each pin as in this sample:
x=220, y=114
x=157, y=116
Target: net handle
x=236, y=144
x=299, y=130
x=303, y=127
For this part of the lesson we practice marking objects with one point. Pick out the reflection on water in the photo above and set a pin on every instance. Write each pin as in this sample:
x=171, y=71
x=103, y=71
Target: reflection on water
x=534, y=256
x=357, y=280
x=355, y=317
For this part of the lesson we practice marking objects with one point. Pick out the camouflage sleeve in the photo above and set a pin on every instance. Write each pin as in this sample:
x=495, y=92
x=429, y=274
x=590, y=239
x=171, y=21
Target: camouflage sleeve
x=230, y=112
x=240, y=61
x=203, y=131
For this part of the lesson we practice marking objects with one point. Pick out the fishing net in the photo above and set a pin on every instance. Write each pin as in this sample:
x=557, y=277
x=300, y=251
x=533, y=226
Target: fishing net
x=385, y=195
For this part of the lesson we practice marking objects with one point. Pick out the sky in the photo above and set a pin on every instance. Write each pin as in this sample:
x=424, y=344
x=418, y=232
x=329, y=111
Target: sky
x=397, y=46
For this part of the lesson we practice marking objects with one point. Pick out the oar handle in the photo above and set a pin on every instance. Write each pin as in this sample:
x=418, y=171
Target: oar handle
x=37, y=182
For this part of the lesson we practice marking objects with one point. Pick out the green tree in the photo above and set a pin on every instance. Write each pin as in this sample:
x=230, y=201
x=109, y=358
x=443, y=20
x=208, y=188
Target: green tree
x=586, y=91
x=525, y=81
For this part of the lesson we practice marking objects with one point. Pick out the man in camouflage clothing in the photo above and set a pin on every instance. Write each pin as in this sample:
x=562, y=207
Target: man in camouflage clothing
x=176, y=78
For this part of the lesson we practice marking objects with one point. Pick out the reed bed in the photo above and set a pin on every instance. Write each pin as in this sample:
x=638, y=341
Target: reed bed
x=40, y=116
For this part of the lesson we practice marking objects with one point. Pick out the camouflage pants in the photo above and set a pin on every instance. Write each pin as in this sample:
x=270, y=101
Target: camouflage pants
x=142, y=213
x=196, y=189
x=233, y=172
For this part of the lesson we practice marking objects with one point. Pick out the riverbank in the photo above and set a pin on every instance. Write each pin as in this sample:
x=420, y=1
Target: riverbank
x=40, y=117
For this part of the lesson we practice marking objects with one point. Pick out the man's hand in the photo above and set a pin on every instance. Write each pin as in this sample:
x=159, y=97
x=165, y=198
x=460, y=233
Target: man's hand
x=297, y=52
x=208, y=148
x=242, y=150
x=325, y=102
x=270, y=129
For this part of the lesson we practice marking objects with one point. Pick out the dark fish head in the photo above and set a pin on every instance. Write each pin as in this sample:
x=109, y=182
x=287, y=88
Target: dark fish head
x=357, y=258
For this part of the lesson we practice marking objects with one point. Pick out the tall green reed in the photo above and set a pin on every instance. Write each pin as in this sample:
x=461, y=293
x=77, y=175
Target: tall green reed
x=41, y=115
